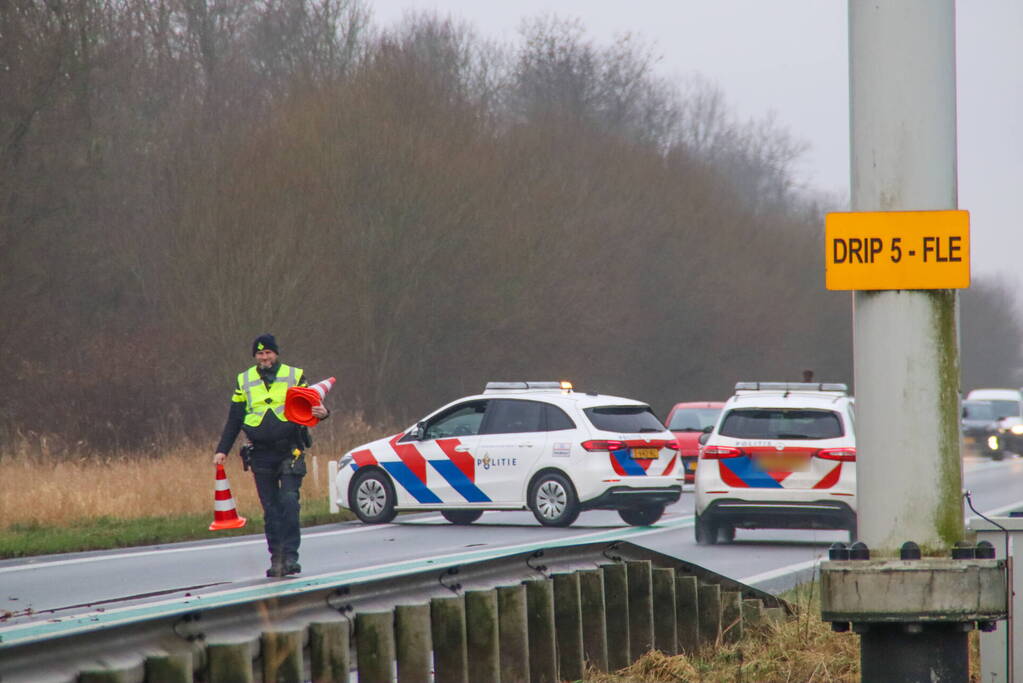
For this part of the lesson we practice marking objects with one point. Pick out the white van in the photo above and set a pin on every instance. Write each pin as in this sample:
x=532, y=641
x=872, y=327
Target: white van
x=1005, y=402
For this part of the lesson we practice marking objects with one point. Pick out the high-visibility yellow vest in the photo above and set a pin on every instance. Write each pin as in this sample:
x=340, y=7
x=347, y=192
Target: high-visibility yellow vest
x=259, y=399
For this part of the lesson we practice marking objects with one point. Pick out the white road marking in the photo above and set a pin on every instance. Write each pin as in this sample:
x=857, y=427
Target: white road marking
x=190, y=549
x=779, y=572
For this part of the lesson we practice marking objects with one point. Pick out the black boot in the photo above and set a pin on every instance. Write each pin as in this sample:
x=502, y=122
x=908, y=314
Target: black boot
x=276, y=569
x=292, y=567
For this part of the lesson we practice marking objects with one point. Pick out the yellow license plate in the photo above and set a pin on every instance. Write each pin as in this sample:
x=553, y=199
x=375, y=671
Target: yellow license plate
x=775, y=463
x=645, y=453
x=691, y=465
x=969, y=439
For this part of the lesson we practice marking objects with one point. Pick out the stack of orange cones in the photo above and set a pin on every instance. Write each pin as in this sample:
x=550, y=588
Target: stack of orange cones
x=299, y=402
x=225, y=516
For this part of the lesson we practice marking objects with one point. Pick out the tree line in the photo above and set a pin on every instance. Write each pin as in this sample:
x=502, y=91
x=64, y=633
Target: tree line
x=412, y=209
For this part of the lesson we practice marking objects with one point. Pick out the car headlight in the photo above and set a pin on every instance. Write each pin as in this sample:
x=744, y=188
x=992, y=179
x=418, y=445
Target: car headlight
x=1016, y=429
x=992, y=442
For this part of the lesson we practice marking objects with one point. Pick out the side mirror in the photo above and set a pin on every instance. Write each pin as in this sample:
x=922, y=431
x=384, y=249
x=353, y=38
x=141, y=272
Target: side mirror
x=708, y=429
x=703, y=438
x=418, y=432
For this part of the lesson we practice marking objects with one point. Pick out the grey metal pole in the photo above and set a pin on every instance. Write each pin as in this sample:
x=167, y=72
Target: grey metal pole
x=906, y=348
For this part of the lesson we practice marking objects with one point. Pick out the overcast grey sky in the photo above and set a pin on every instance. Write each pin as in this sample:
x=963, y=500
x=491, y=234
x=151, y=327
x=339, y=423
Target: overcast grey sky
x=791, y=57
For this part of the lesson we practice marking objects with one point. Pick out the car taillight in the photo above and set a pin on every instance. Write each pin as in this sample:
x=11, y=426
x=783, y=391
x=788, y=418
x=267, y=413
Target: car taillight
x=719, y=452
x=671, y=445
x=604, y=445
x=840, y=454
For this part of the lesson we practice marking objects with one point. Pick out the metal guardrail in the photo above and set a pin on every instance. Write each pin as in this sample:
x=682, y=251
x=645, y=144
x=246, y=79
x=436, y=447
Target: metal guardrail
x=60, y=649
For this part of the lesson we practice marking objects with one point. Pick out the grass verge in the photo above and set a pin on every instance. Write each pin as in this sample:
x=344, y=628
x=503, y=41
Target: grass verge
x=802, y=648
x=35, y=538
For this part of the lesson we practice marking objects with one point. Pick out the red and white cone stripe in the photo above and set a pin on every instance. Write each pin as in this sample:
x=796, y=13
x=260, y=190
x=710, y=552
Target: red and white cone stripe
x=323, y=387
x=225, y=515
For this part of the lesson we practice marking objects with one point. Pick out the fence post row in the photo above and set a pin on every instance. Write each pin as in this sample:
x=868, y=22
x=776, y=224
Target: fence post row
x=540, y=631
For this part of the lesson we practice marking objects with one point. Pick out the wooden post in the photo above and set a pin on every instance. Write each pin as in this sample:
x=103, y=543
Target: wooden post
x=447, y=629
x=709, y=599
x=568, y=626
x=616, y=605
x=731, y=616
x=641, y=608
x=752, y=615
x=665, y=636
x=482, y=635
x=119, y=675
x=412, y=640
x=329, y=651
x=687, y=614
x=514, y=634
x=374, y=646
x=230, y=662
x=170, y=667
x=543, y=658
x=591, y=600
x=282, y=656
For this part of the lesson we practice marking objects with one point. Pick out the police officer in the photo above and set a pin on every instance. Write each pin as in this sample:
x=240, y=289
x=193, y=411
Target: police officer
x=275, y=451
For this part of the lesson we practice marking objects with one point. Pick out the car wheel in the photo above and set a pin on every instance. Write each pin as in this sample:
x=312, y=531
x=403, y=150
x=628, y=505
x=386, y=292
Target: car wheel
x=706, y=531
x=644, y=515
x=461, y=516
x=373, y=497
x=553, y=500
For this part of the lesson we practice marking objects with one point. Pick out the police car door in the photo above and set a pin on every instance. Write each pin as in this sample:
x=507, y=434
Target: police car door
x=449, y=446
x=512, y=439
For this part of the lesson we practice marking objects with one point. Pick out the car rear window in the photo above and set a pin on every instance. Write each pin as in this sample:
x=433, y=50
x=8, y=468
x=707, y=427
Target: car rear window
x=693, y=419
x=781, y=423
x=625, y=419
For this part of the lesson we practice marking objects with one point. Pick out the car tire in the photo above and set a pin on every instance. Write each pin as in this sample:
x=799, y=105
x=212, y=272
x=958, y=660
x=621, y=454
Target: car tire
x=706, y=531
x=372, y=497
x=461, y=516
x=642, y=515
x=553, y=500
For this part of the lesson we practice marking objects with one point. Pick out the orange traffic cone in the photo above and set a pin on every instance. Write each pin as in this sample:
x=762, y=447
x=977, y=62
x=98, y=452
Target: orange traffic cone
x=299, y=402
x=224, y=514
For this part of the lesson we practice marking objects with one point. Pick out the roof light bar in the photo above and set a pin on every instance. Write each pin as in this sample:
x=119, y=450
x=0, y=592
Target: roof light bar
x=528, y=386
x=791, y=386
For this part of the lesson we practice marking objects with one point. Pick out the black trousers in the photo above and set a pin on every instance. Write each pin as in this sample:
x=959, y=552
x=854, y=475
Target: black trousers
x=278, y=481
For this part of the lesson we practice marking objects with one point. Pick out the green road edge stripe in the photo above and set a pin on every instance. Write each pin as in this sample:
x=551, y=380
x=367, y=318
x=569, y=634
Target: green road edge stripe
x=94, y=621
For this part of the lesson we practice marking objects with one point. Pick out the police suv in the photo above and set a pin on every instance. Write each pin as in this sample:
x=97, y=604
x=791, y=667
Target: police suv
x=518, y=445
x=782, y=455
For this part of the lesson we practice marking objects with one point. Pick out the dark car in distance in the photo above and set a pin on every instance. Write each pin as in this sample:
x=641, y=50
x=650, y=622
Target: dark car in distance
x=980, y=428
x=687, y=421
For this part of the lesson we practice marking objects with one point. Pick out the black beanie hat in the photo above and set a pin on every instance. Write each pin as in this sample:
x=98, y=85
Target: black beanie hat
x=264, y=341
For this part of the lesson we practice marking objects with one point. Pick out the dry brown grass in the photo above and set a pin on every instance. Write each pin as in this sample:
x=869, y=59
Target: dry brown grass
x=55, y=489
x=801, y=649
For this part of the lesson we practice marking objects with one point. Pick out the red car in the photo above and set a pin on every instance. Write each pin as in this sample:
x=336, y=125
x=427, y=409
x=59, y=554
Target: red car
x=687, y=421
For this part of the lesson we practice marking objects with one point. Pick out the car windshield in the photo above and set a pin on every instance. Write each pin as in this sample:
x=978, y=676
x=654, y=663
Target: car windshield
x=624, y=419
x=781, y=423
x=693, y=419
x=978, y=410
x=1005, y=409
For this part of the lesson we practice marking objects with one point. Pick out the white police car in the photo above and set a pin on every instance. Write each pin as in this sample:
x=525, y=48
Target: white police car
x=536, y=445
x=782, y=455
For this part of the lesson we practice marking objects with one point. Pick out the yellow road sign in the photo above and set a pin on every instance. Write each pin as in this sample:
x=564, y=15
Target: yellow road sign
x=897, y=250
